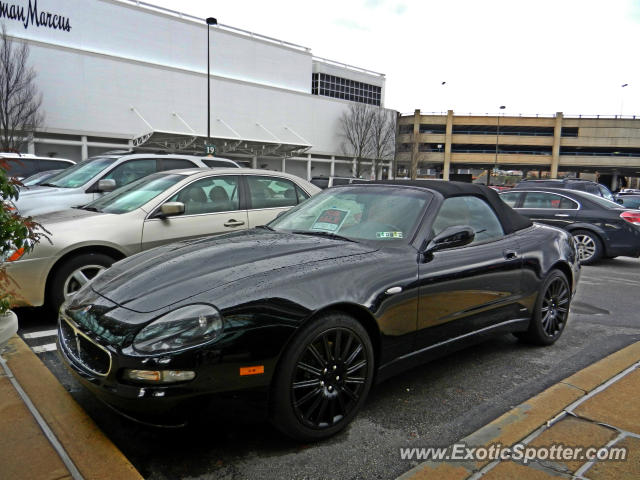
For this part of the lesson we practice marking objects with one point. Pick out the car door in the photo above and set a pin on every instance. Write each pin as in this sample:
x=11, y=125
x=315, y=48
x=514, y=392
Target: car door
x=550, y=208
x=268, y=196
x=212, y=206
x=466, y=289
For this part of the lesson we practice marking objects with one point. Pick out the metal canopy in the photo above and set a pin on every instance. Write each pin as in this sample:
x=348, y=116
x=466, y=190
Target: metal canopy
x=256, y=139
x=186, y=143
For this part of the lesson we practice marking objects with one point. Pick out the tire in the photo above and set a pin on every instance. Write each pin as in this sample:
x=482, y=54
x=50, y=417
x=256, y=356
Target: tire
x=551, y=311
x=589, y=246
x=66, y=279
x=323, y=378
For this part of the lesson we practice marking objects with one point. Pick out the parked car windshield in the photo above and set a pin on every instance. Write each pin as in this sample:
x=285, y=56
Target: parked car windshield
x=358, y=213
x=80, y=173
x=129, y=197
x=40, y=177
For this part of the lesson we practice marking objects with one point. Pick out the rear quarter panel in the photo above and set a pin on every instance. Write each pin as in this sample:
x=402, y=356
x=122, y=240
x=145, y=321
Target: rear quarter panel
x=544, y=248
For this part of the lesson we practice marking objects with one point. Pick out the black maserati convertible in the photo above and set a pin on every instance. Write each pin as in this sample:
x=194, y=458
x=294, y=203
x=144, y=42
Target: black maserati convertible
x=348, y=288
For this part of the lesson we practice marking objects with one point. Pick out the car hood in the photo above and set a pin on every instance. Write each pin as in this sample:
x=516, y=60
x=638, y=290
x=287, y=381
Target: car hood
x=39, y=190
x=157, y=278
x=62, y=216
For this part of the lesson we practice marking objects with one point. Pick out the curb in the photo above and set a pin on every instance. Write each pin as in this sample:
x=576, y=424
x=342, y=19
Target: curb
x=521, y=421
x=94, y=455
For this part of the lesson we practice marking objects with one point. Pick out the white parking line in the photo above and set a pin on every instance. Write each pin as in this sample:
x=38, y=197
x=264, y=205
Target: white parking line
x=49, y=347
x=42, y=333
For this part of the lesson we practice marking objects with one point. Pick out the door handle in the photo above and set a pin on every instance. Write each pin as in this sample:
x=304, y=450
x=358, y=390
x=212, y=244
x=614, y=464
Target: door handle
x=233, y=223
x=510, y=254
x=561, y=215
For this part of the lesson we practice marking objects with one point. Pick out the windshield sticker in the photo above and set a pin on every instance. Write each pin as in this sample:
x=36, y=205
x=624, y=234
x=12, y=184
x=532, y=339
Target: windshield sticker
x=330, y=220
x=388, y=234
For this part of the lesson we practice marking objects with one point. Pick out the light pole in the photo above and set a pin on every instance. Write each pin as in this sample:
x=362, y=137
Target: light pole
x=495, y=164
x=622, y=97
x=210, y=21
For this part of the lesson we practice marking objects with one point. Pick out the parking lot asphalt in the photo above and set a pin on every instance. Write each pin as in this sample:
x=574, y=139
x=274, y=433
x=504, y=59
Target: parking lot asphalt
x=432, y=405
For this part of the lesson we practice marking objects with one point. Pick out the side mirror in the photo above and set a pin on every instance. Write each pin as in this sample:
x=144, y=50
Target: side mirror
x=451, y=237
x=106, y=185
x=619, y=200
x=170, y=209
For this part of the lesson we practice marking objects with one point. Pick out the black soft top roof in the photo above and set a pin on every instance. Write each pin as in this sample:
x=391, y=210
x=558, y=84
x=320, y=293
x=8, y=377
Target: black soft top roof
x=511, y=220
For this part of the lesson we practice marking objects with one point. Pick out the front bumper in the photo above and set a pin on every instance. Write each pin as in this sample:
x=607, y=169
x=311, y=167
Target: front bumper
x=30, y=275
x=217, y=386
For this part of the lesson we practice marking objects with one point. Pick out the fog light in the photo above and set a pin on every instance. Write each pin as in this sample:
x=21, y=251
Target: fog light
x=159, y=376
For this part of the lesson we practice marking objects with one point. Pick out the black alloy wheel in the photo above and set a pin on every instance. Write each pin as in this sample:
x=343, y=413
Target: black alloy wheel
x=555, y=307
x=324, y=378
x=551, y=311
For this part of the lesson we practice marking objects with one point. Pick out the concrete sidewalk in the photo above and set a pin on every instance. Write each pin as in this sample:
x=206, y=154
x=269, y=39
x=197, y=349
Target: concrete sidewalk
x=44, y=434
x=594, y=408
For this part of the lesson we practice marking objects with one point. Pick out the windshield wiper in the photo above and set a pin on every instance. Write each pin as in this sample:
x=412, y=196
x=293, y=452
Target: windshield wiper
x=319, y=233
x=90, y=209
x=266, y=227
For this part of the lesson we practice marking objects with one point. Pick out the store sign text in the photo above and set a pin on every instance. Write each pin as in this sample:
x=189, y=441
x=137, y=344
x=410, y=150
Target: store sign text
x=33, y=16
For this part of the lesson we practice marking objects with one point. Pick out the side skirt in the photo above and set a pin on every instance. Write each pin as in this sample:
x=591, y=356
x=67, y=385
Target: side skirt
x=446, y=347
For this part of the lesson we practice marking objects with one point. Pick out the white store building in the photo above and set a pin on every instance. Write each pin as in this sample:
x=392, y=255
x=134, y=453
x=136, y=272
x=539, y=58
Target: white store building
x=116, y=73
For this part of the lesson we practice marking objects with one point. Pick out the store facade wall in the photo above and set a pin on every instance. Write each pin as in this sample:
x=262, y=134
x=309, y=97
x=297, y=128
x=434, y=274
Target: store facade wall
x=122, y=70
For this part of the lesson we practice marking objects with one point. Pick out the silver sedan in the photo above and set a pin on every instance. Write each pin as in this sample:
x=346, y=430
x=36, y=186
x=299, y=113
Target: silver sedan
x=158, y=209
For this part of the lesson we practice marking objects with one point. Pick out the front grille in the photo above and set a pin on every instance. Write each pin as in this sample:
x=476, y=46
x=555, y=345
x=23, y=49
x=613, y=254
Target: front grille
x=82, y=349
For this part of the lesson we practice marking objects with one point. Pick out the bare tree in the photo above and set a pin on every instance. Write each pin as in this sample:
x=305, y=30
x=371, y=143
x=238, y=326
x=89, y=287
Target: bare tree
x=20, y=101
x=355, y=125
x=382, y=138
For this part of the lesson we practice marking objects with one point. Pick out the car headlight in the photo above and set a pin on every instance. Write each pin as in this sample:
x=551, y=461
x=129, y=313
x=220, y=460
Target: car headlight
x=181, y=328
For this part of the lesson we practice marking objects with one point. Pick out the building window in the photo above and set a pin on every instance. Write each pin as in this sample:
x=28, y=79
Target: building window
x=503, y=149
x=426, y=128
x=504, y=130
x=343, y=88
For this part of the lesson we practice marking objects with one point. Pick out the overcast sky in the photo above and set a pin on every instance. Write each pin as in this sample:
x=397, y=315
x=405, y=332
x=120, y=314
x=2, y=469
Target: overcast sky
x=532, y=57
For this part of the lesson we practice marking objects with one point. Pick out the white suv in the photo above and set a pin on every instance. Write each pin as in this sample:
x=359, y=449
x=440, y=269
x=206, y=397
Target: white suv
x=95, y=176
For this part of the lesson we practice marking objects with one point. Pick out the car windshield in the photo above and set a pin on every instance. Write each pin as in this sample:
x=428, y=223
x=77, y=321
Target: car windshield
x=383, y=214
x=80, y=173
x=38, y=178
x=135, y=194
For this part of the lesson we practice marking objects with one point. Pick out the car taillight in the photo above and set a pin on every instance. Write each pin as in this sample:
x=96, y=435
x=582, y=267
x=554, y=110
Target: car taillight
x=631, y=217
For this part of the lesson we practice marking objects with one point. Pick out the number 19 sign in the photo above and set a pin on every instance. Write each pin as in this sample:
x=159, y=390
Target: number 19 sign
x=210, y=149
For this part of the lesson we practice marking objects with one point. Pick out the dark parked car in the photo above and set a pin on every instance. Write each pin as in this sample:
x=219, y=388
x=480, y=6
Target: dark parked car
x=350, y=287
x=601, y=228
x=570, y=183
x=328, y=182
x=628, y=200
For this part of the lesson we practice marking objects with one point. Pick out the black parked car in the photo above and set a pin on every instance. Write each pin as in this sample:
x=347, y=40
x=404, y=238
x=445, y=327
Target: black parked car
x=569, y=183
x=602, y=229
x=350, y=287
x=628, y=200
x=328, y=182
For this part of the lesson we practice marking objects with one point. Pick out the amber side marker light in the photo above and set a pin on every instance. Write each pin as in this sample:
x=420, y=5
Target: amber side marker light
x=256, y=370
x=16, y=255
